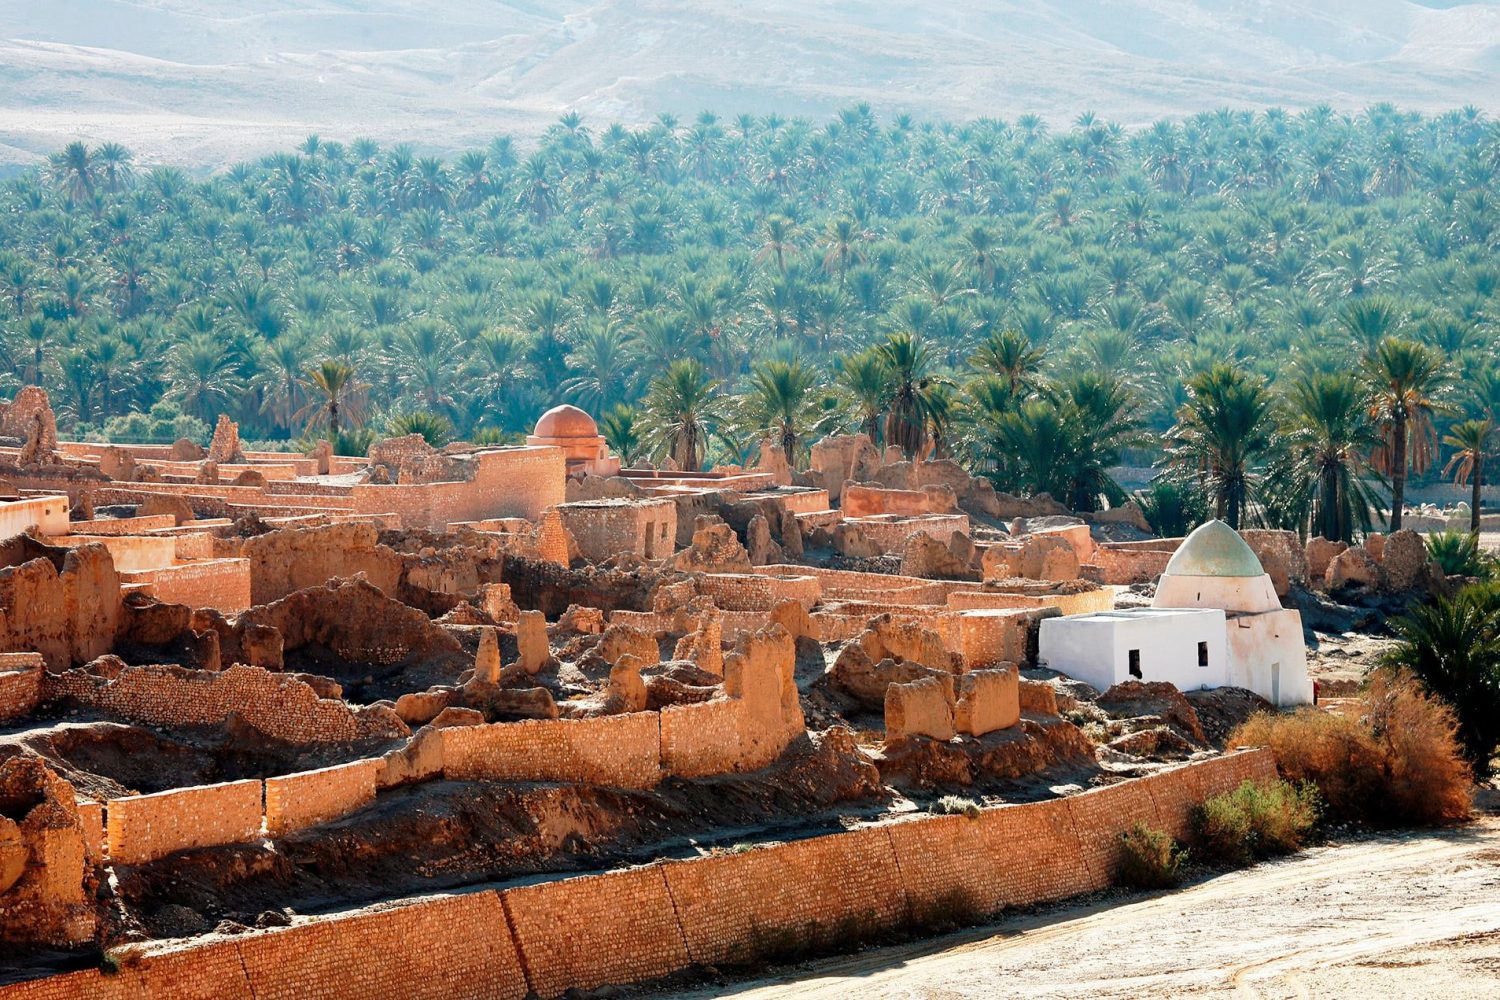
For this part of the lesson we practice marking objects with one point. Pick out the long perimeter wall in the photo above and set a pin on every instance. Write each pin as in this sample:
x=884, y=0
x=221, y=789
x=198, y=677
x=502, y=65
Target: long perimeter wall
x=572, y=933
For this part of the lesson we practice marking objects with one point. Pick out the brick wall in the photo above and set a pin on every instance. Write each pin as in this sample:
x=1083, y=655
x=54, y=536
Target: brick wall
x=20, y=684
x=700, y=739
x=443, y=949
x=586, y=932
x=756, y=592
x=814, y=892
x=297, y=801
x=621, y=751
x=221, y=584
x=276, y=704
x=146, y=827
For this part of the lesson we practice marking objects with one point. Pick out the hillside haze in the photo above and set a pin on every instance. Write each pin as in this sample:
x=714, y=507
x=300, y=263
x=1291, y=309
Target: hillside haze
x=200, y=83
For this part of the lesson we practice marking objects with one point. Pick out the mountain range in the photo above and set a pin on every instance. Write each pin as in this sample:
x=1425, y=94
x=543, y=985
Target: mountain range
x=199, y=83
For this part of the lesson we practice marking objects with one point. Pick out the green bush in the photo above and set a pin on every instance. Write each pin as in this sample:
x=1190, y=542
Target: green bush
x=436, y=429
x=1457, y=553
x=1256, y=821
x=1149, y=859
x=1173, y=508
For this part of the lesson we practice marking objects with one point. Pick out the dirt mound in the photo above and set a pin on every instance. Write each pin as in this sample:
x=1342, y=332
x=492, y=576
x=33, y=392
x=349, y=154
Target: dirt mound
x=1153, y=699
x=987, y=761
x=350, y=631
x=1220, y=710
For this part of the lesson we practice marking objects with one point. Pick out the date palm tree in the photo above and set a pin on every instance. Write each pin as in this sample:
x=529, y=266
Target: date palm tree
x=1405, y=377
x=1222, y=429
x=1327, y=435
x=684, y=408
x=782, y=402
x=862, y=379
x=1472, y=442
x=336, y=397
x=908, y=364
x=1010, y=356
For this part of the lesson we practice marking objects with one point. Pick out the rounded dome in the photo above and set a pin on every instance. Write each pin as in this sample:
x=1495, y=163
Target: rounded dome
x=1213, y=549
x=566, y=422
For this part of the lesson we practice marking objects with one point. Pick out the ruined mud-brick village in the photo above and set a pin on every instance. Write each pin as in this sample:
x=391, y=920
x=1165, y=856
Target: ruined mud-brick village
x=519, y=721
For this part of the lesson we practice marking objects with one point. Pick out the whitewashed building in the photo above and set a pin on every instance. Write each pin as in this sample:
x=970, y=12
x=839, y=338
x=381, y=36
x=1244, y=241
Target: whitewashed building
x=1212, y=571
x=1182, y=646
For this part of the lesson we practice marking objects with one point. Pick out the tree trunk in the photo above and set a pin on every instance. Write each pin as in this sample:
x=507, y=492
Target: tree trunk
x=1232, y=515
x=1398, y=467
x=1332, y=527
x=1474, y=496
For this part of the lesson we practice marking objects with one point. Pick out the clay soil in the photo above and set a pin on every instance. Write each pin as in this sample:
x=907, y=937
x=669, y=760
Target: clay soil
x=1413, y=914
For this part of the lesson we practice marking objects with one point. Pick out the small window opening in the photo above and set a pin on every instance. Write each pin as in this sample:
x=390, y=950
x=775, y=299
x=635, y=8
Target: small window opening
x=1135, y=663
x=1202, y=654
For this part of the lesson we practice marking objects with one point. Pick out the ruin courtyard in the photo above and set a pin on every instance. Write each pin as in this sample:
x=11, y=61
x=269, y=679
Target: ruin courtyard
x=504, y=721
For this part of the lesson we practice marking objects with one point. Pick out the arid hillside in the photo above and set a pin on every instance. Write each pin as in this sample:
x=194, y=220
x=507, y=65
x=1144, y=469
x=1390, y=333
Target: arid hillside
x=201, y=83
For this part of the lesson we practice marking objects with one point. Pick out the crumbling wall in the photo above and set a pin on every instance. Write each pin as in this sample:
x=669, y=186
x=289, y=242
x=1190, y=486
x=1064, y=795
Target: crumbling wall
x=45, y=889
x=357, y=622
x=61, y=602
x=988, y=700
x=278, y=705
x=20, y=684
x=760, y=715
x=620, y=751
x=293, y=559
x=143, y=828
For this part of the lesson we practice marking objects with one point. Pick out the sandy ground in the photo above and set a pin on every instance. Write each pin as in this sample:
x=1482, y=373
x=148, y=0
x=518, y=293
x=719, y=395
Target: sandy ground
x=1405, y=915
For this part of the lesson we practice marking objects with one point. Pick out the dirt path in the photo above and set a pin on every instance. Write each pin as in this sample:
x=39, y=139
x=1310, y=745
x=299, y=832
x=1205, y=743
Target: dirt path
x=1404, y=915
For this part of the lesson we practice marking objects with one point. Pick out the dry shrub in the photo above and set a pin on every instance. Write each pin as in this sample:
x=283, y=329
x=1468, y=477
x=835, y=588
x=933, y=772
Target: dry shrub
x=1427, y=780
x=1256, y=821
x=1149, y=859
x=953, y=805
x=1398, y=763
x=1335, y=753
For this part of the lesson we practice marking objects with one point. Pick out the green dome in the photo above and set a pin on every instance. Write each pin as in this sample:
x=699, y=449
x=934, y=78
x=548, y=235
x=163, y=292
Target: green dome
x=1214, y=549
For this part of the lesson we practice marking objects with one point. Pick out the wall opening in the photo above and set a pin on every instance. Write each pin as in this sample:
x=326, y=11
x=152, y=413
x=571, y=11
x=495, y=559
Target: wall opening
x=1276, y=684
x=1202, y=654
x=1135, y=663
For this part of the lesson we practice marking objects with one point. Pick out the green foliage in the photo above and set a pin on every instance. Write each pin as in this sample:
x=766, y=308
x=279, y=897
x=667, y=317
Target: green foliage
x=1256, y=821
x=1457, y=553
x=989, y=289
x=353, y=443
x=1453, y=646
x=1173, y=508
x=1149, y=859
x=163, y=424
x=436, y=429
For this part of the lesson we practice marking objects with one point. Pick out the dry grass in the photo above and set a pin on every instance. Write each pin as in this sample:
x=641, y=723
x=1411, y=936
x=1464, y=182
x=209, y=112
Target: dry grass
x=1393, y=760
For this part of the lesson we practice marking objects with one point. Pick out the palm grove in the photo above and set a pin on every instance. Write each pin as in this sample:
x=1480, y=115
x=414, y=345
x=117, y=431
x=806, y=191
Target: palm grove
x=1287, y=313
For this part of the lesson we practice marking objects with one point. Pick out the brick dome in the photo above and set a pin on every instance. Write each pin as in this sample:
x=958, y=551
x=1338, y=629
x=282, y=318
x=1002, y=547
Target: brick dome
x=565, y=422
